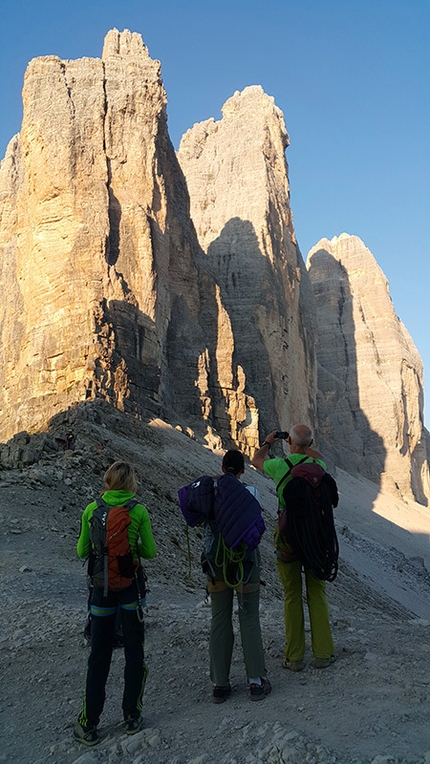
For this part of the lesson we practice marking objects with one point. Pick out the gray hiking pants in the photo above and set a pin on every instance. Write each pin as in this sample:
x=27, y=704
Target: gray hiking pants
x=222, y=635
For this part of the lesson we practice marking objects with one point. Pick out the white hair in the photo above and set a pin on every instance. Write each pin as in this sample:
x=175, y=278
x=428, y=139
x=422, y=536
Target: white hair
x=301, y=435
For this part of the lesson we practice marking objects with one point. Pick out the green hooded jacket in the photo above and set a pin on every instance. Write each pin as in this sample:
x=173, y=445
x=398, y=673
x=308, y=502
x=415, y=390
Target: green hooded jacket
x=139, y=530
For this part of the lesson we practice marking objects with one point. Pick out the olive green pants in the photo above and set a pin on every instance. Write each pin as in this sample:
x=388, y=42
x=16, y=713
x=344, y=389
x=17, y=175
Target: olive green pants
x=222, y=636
x=290, y=574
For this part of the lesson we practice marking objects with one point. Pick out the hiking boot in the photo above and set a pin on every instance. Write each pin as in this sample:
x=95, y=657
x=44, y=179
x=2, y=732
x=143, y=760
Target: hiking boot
x=133, y=725
x=86, y=735
x=322, y=663
x=259, y=691
x=293, y=665
x=220, y=694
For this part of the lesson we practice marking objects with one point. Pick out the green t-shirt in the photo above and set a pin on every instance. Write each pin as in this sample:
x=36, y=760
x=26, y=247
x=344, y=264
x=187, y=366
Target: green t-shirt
x=277, y=468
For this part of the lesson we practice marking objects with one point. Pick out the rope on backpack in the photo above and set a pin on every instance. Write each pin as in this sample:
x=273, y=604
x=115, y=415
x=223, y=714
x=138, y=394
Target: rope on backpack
x=315, y=540
x=226, y=556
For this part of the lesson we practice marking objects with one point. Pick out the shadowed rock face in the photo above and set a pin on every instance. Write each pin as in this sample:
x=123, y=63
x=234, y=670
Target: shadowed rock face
x=370, y=401
x=97, y=248
x=260, y=322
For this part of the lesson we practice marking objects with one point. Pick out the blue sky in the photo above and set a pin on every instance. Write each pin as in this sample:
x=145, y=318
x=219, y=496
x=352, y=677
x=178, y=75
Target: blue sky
x=351, y=76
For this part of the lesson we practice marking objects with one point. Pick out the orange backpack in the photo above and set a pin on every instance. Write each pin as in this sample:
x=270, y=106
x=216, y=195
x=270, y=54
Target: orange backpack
x=111, y=563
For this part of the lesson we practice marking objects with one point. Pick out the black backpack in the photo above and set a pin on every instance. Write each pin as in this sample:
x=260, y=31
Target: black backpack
x=307, y=522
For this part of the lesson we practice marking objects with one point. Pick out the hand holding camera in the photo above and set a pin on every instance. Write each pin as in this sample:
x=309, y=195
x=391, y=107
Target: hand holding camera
x=274, y=436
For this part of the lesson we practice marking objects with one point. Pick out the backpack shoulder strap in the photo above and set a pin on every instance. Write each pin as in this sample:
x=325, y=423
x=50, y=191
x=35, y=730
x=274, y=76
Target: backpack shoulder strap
x=101, y=503
x=131, y=503
x=290, y=466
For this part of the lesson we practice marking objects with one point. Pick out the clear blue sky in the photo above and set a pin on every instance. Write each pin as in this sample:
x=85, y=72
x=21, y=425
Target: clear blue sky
x=351, y=76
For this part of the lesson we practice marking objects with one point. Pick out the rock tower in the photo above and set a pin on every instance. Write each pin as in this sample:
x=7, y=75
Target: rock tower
x=370, y=377
x=260, y=322
x=98, y=274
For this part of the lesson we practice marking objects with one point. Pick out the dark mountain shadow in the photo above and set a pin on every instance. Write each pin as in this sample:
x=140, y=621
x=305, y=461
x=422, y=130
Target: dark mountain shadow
x=133, y=373
x=113, y=240
x=344, y=430
x=114, y=217
x=125, y=375
x=420, y=453
x=183, y=394
x=150, y=366
x=248, y=292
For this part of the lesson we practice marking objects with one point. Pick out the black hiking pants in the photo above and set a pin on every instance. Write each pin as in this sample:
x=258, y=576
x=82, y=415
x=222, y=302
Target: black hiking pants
x=103, y=614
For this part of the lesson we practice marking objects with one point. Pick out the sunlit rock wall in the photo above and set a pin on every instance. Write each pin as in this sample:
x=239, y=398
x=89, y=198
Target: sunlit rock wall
x=97, y=250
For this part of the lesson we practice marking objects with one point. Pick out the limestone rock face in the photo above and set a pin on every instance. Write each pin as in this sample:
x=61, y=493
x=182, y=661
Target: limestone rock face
x=370, y=378
x=116, y=286
x=107, y=292
x=97, y=250
x=260, y=320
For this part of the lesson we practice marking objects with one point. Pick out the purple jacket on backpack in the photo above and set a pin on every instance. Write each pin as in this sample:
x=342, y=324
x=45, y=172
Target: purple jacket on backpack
x=196, y=500
x=237, y=513
x=227, y=501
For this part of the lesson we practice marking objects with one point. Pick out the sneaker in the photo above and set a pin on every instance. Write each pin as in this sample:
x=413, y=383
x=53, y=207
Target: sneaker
x=322, y=663
x=86, y=735
x=220, y=694
x=133, y=725
x=259, y=691
x=293, y=665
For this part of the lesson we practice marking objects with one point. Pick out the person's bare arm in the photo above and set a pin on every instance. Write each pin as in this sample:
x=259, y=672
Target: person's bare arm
x=262, y=453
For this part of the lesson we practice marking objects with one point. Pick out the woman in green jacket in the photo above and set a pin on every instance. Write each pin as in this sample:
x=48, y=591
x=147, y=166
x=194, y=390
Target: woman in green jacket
x=121, y=485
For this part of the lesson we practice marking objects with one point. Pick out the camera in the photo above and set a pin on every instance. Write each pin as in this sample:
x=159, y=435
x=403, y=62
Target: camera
x=284, y=435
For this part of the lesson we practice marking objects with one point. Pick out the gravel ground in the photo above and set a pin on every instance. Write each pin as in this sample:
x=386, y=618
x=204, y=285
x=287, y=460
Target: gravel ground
x=371, y=706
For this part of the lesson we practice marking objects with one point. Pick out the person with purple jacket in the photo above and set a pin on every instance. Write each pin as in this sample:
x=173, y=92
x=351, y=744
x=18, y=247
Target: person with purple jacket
x=224, y=577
